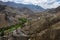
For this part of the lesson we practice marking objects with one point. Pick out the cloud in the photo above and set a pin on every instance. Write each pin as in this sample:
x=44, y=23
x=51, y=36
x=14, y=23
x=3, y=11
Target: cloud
x=50, y=4
x=43, y=3
x=6, y=0
x=34, y=1
x=53, y=5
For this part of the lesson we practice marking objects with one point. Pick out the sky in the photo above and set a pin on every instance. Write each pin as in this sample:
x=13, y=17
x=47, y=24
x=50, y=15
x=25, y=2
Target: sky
x=43, y=3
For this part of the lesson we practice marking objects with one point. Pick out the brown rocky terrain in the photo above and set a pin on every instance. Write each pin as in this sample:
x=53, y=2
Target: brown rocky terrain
x=39, y=26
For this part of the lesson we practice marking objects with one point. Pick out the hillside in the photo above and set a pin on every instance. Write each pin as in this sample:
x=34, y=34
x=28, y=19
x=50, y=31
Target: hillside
x=39, y=26
x=10, y=14
x=47, y=27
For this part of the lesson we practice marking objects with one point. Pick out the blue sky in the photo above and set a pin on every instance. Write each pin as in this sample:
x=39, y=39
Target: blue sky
x=43, y=3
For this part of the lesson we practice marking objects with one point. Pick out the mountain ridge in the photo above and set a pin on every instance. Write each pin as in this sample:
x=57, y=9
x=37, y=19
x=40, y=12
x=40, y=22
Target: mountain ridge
x=19, y=5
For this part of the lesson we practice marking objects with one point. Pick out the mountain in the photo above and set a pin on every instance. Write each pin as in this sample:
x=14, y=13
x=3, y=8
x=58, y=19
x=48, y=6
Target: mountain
x=34, y=8
x=9, y=15
x=54, y=10
x=40, y=26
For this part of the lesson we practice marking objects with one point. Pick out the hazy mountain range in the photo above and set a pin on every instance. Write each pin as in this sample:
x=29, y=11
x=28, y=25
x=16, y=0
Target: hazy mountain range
x=32, y=7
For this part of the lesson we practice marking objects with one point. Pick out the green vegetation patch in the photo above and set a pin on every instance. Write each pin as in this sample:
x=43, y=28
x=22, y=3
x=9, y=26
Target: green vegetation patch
x=13, y=27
